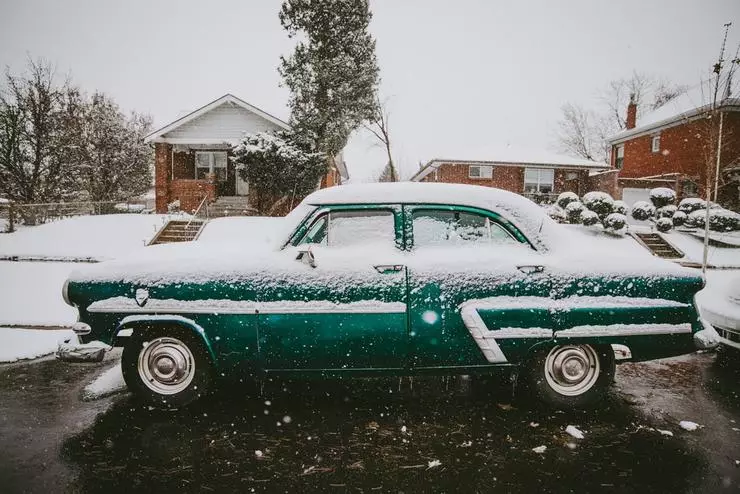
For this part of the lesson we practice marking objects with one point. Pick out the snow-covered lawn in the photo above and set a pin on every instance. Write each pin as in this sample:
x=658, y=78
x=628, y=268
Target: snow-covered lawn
x=97, y=237
x=693, y=248
x=19, y=344
x=31, y=293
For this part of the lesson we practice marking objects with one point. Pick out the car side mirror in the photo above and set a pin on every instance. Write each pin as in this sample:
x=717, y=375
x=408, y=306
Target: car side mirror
x=306, y=256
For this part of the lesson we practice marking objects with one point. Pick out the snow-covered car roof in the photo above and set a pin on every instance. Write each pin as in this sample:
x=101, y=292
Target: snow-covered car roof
x=525, y=214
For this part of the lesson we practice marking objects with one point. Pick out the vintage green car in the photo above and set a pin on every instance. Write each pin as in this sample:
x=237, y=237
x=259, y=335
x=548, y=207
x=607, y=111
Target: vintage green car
x=388, y=280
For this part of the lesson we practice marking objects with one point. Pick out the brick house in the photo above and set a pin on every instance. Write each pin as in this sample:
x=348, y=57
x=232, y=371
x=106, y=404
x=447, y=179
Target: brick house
x=668, y=147
x=191, y=154
x=539, y=176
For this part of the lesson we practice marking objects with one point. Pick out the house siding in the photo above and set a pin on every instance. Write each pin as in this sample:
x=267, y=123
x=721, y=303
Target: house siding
x=507, y=177
x=682, y=150
x=228, y=122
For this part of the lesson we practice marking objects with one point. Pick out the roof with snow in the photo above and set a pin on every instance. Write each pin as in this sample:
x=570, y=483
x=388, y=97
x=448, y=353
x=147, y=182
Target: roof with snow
x=225, y=119
x=693, y=102
x=508, y=156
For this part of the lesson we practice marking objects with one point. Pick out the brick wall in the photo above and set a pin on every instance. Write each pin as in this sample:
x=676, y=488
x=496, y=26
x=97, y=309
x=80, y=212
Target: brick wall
x=162, y=170
x=509, y=178
x=682, y=150
x=604, y=182
x=191, y=193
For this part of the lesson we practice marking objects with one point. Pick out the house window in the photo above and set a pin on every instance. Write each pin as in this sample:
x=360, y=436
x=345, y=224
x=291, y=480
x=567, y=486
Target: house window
x=656, y=144
x=539, y=180
x=619, y=161
x=210, y=162
x=480, y=171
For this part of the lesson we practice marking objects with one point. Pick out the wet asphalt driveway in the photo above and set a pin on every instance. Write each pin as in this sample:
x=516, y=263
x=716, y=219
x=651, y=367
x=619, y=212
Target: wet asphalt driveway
x=439, y=435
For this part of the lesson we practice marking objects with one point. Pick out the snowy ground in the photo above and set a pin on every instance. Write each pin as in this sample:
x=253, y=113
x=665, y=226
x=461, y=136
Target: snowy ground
x=31, y=294
x=97, y=237
x=20, y=344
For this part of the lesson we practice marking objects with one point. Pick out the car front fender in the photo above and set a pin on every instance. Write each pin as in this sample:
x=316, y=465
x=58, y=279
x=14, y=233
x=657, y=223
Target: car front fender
x=141, y=324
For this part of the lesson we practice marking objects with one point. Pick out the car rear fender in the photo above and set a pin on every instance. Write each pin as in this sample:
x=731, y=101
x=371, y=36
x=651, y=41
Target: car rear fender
x=131, y=326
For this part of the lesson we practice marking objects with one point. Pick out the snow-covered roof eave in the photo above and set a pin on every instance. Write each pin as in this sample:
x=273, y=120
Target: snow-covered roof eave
x=437, y=162
x=157, y=135
x=732, y=104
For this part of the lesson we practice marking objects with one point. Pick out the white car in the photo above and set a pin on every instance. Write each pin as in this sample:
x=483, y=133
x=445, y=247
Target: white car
x=723, y=312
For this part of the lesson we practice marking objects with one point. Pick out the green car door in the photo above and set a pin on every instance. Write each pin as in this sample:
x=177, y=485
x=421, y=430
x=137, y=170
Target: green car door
x=475, y=289
x=343, y=305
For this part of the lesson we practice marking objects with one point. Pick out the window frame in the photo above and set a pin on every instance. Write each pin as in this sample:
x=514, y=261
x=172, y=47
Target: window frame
x=539, y=180
x=655, y=143
x=410, y=209
x=211, y=161
x=480, y=168
x=308, y=223
x=619, y=160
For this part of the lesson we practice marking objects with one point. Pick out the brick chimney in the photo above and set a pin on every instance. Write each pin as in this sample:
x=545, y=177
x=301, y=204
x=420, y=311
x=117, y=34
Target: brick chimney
x=632, y=112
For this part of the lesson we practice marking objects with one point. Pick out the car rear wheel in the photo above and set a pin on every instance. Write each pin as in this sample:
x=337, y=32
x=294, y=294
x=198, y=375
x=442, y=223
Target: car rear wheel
x=570, y=376
x=169, y=369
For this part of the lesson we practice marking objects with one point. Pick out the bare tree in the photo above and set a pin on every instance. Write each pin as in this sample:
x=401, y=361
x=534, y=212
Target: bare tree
x=378, y=126
x=584, y=132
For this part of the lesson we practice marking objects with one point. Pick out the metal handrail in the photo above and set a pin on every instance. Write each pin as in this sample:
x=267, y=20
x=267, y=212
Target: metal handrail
x=195, y=214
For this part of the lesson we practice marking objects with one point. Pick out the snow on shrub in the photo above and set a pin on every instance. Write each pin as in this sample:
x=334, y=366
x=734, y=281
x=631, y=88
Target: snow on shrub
x=696, y=219
x=679, y=218
x=723, y=220
x=666, y=211
x=573, y=211
x=556, y=213
x=566, y=198
x=600, y=203
x=589, y=218
x=662, y=196
x=642, y=210
x=620, y=207
x=615, y=222
x=691, y=204
x=664, y=224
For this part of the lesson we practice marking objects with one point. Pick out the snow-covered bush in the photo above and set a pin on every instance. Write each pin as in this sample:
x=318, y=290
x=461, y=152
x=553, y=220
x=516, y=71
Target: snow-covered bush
x=566, y=198
x=691, y=204
x=620, y=207
x=600, y=203
x=679, y=218
x=662, y=196
x=573, y=212
x=664, y=224
x=615, y=222
x=556, y=213
x=723, y=220
x=666, y=211
x=642, y=210
x=589, y=218
x=697, y=219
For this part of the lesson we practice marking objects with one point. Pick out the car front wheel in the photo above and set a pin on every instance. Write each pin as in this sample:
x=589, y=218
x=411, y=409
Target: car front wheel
x=570, y=376
x=167, y=369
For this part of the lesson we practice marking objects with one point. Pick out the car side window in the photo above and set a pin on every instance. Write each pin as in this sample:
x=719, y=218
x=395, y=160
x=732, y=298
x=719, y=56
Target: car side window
x=352, y=228
x=445, y=227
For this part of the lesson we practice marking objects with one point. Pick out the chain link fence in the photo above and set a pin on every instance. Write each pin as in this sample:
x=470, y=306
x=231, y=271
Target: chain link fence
x=13, y=214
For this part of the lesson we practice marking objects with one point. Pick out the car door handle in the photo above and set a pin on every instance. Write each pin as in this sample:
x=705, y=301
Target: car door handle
x=388, y=268
x=531, y=269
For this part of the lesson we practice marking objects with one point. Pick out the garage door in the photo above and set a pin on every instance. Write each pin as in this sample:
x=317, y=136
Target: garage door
x=632, y=195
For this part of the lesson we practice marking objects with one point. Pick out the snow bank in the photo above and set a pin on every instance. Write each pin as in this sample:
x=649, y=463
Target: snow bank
x=31, y=294
x=97, y=237
x=20, y=344
x=246, y=231
x=107, y=383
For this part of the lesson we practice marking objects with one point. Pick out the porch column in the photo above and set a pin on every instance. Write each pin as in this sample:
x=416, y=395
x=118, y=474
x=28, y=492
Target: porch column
x=162, y=175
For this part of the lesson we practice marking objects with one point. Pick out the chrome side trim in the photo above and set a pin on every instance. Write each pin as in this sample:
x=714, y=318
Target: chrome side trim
x=125, y=333
x=623, y=330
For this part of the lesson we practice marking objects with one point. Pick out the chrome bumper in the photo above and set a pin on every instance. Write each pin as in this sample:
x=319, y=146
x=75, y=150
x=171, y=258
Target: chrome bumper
x=706, y=338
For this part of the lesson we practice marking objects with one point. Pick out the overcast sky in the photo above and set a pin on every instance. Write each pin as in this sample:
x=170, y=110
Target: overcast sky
x=459, y=74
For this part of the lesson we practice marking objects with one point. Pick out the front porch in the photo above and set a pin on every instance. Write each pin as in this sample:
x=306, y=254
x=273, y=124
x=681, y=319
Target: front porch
x=188, y=173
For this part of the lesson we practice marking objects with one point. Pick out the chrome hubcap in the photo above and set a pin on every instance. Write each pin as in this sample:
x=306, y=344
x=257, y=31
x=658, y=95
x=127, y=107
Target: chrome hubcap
x=571, y=370
x=166, y=365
